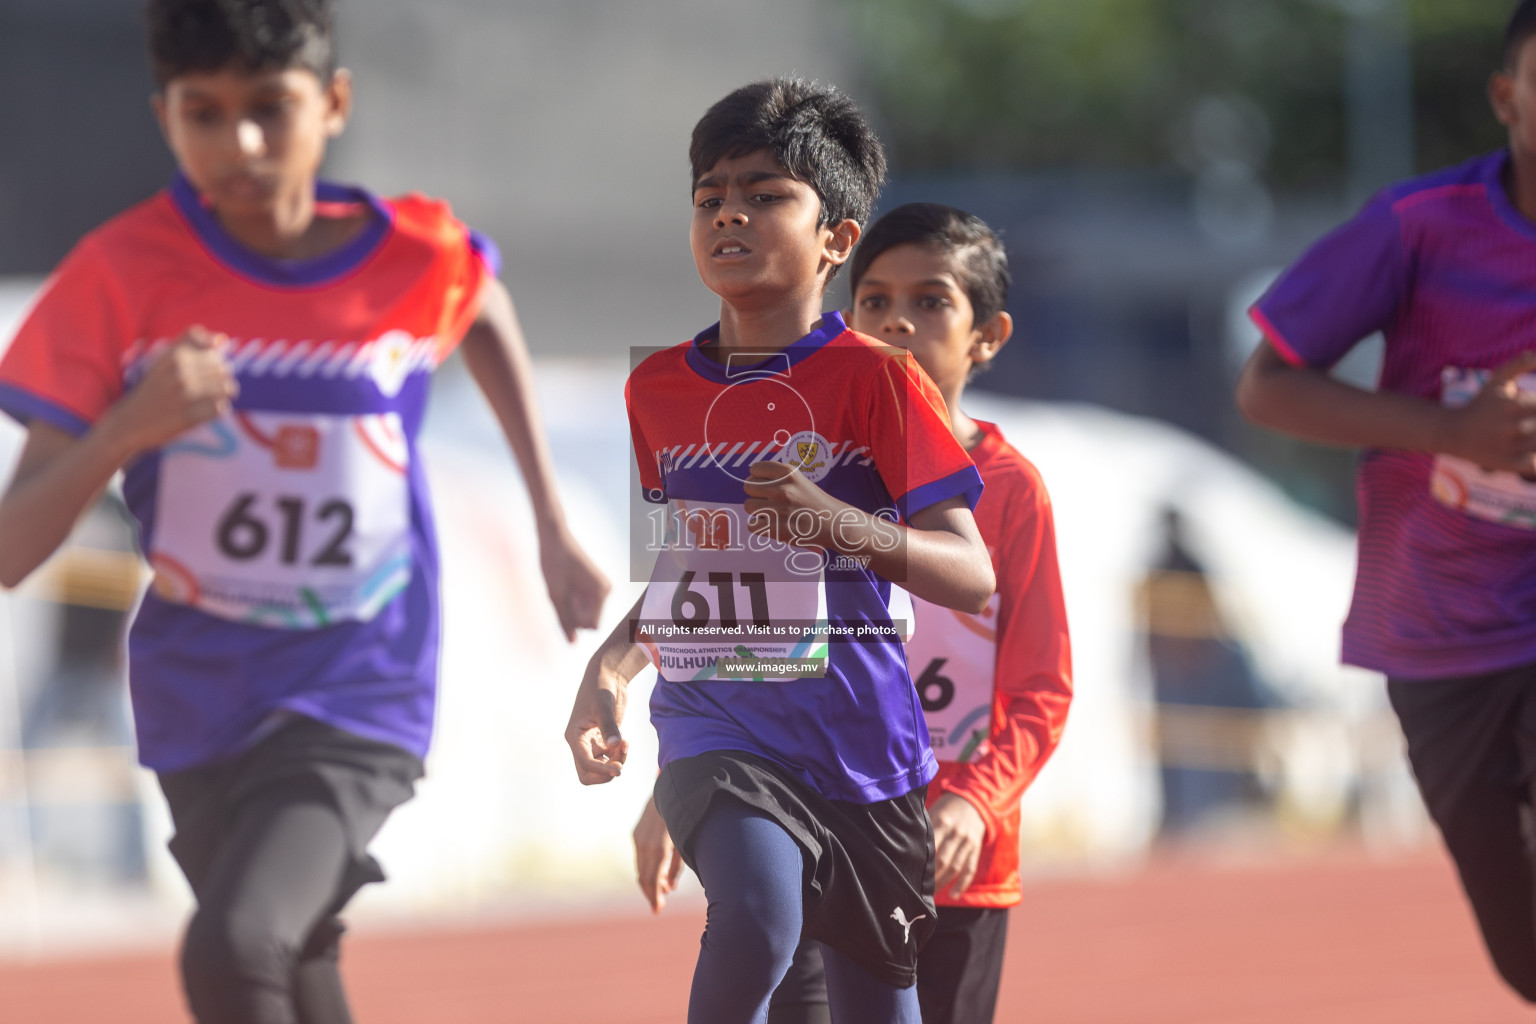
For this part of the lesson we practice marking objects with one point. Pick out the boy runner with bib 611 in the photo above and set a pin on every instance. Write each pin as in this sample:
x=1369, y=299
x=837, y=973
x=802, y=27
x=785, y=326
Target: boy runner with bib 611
x=802, y=468
x=253, y=349
x=995, y=686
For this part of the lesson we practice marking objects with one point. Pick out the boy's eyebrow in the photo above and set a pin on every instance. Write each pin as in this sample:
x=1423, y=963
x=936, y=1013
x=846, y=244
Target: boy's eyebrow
x=750, y=178
x=192, y=92
x=932, y=282
x=270, y=87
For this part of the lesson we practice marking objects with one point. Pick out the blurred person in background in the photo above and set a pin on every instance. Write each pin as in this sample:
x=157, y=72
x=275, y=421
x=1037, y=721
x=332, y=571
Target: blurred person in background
x=252, y=347
x=1199, y=665
x=1445, y=597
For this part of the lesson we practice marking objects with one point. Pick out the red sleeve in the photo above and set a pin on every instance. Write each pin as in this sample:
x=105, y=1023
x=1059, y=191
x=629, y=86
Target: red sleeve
x=651, y=488
x=1033, y=686
x=64, y=366
x=465, y=262
x=910, y=440
x=468, y=279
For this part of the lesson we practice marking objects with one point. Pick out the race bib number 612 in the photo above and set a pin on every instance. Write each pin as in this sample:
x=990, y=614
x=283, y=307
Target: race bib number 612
x=285, y=520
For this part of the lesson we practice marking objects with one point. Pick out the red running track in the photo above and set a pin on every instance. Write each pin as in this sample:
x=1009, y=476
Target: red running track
x=1338, y=939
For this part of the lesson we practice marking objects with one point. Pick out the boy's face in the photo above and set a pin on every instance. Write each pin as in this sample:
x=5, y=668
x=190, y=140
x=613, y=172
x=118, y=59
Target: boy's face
x=1513, y=94
x=250, y=141
x=755, y=233
x=913, y=297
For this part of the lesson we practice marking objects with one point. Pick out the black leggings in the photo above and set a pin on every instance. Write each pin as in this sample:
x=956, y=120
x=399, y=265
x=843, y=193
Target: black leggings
x=272, y=845
x=1472, y=744
x=264, y=943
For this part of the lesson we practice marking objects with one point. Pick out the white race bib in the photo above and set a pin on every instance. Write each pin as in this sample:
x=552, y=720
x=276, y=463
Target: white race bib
x=953, y=659
x=1495, y=496
x=719, y=593
x=291, y=520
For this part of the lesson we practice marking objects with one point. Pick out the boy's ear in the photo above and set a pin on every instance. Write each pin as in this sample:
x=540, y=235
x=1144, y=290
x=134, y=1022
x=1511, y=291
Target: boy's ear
x=338, y=95
x=990, y=339
x=841, y=238
x=1501, y=96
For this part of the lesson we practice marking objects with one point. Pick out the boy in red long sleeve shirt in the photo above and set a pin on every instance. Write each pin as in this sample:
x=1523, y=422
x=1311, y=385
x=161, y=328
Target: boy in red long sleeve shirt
x=996, y=685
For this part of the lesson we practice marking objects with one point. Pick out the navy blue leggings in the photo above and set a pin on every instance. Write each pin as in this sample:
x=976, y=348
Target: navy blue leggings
x=752, y=873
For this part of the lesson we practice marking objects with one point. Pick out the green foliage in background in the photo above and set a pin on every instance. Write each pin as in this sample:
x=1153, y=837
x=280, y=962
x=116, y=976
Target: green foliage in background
x=1021, y=84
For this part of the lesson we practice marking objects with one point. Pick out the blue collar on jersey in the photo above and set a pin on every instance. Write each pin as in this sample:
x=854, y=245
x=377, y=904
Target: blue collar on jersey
x=748, y=365
x=1493, y=181
x=286, y=273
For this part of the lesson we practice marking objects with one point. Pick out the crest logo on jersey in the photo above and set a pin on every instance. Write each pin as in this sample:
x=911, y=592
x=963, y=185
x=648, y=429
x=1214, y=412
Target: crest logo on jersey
x=808, y=452
x=391, y=362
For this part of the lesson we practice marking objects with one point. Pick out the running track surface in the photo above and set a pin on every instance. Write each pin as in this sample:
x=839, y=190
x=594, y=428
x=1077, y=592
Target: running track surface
x=1338, y=938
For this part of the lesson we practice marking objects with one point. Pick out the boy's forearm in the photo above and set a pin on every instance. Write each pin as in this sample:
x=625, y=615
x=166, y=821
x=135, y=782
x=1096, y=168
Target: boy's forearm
x=57, y=479
x=1033, y=683
x=497, y=357
x=947, y=563
x=618, y=654
x=941, y=567
x=1017, y=750
x=621, y=656
x=995, y=782
x=940, y=557
x=1310, y=404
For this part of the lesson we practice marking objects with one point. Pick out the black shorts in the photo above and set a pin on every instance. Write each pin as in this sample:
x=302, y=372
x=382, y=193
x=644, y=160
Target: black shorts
x=1472, y=744
x=868, y=867
x=1468, y=733
x=363, y=779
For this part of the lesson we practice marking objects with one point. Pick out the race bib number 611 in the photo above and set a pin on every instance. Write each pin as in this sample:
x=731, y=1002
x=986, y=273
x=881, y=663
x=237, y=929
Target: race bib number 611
x=723, y=603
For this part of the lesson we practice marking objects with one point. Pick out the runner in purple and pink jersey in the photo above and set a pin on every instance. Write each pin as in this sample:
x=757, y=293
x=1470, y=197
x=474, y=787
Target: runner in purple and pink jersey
x=1444, y=267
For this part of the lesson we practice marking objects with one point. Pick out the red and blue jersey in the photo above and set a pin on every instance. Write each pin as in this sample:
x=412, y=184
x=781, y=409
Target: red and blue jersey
x=864, y=423
x=1445, y=267
x=295, y=568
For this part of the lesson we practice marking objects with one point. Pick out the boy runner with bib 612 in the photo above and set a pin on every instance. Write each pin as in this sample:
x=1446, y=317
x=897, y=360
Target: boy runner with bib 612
x=798, y=469
x=253, y=349
x=995, y=686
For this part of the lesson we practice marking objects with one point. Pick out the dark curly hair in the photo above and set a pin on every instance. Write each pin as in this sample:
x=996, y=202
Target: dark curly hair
x=814, y=132
x=252, y=35
x=1520, y=27
x=979, y=257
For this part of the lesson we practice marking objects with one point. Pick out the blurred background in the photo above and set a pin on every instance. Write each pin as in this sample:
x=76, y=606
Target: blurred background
x=1151, y=165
